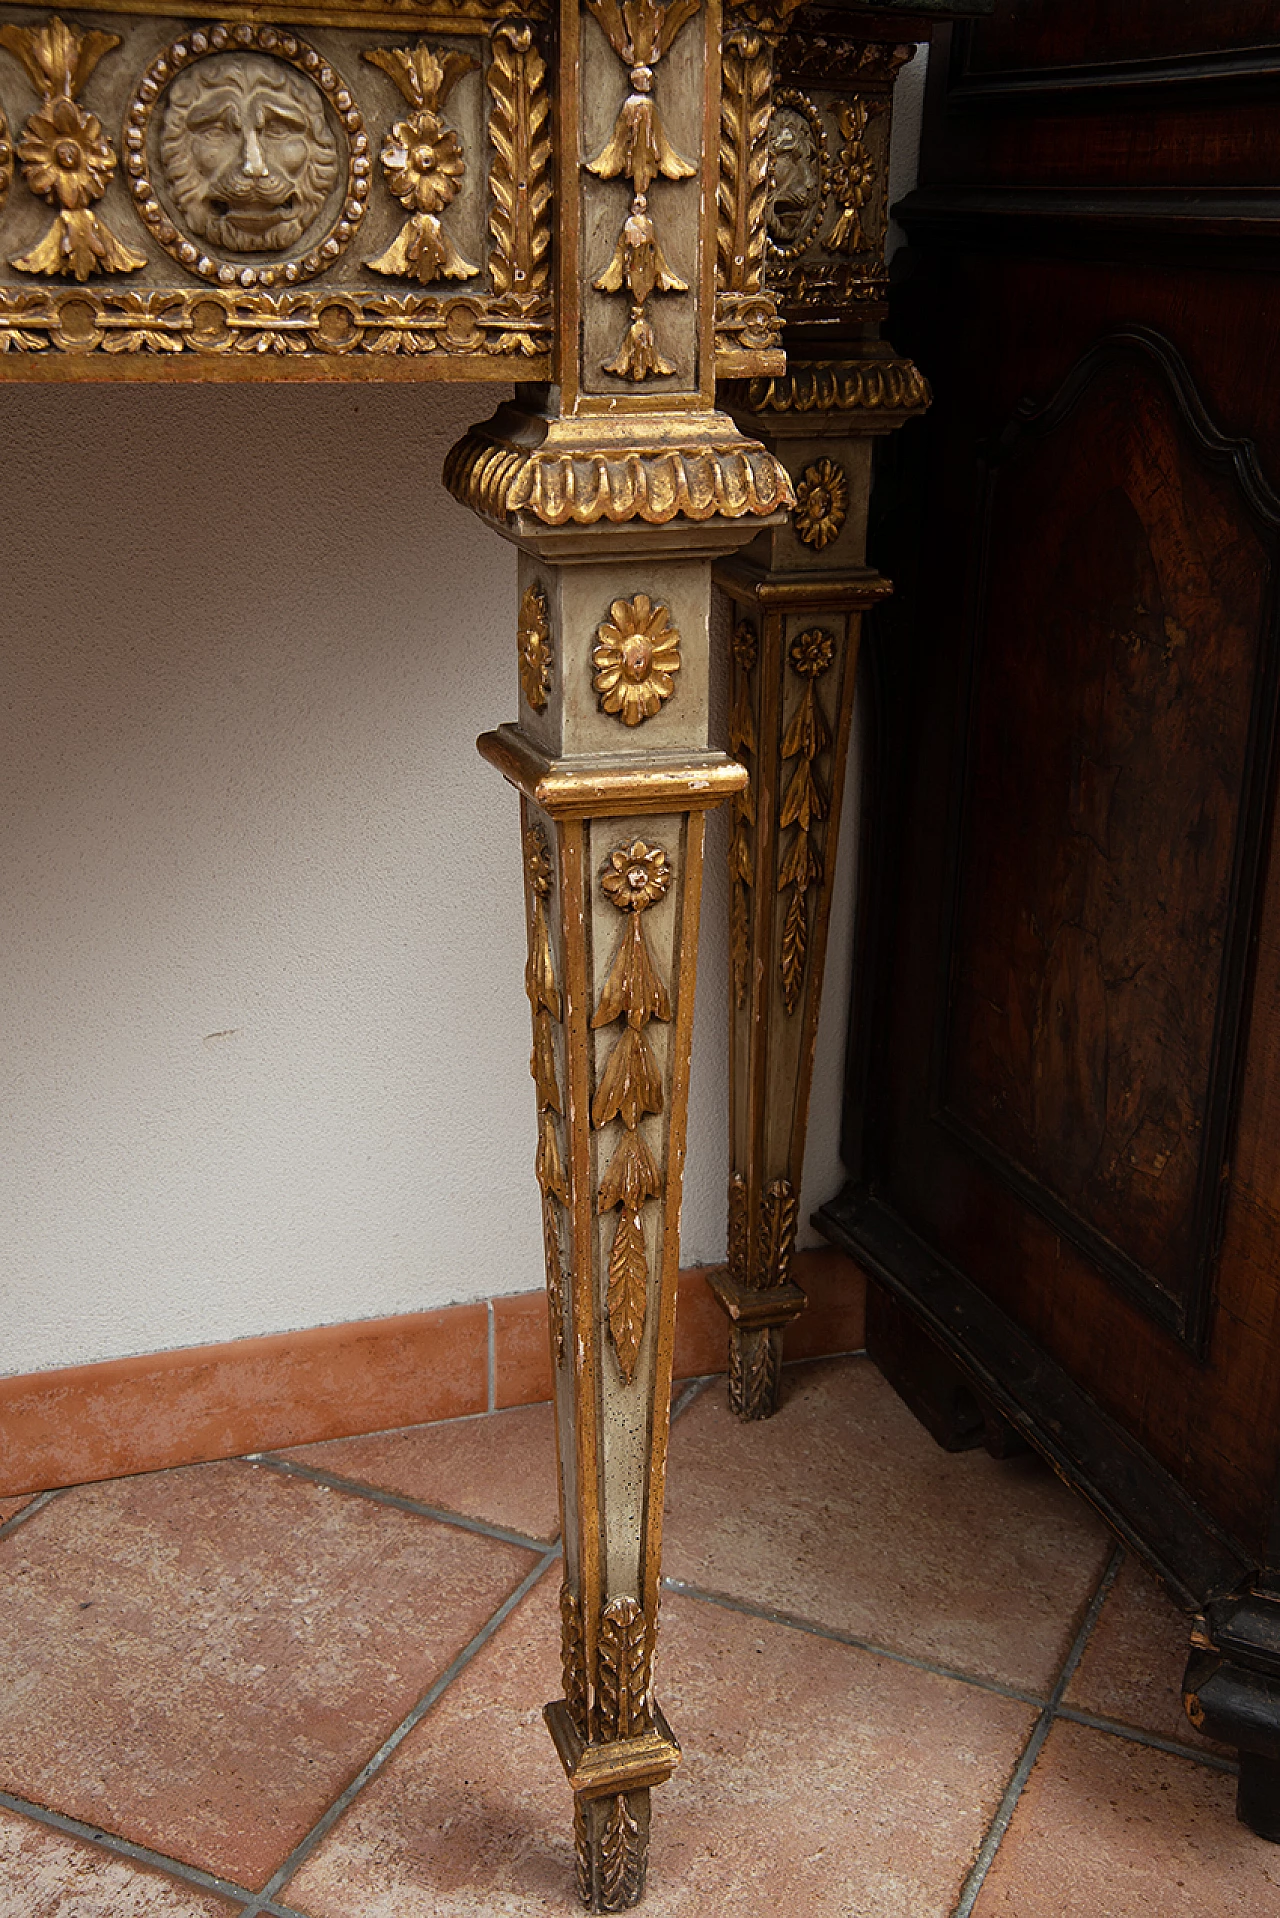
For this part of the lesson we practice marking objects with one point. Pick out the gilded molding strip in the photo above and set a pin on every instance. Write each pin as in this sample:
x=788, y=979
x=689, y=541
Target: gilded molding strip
x=580, y=485
x=747, y=324
x=520, y=177
x=209, y=320
x=640, y=32
x=66, y=157
x=635, y=877
x=870, y=385
x=544, y=1001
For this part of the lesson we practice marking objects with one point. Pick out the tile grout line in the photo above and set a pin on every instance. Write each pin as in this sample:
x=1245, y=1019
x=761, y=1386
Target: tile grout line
x=812, y=1629
x=372, y=1766
x=1136, y=1736
x=37, y=1504
x=123, y=1847
x=334, y=1481
x=1031, y=1750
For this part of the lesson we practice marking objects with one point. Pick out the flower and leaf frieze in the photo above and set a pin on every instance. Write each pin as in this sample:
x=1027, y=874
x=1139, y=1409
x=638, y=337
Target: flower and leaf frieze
x=251, y=160
x=66, y=157
x=636, y=876
x=641, y=33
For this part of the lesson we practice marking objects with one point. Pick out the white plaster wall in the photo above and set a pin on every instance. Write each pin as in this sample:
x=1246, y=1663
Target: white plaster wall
x=263, y=1039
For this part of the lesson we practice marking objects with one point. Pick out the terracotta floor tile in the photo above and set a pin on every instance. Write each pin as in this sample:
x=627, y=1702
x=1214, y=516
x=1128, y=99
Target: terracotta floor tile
x=500, y=1467
x=843, y=1510
x=10, y=1506
x=199, y=1660
x=817, y=1780
x=1133, y=1664
x=45, y=1875
x=1115, y=1830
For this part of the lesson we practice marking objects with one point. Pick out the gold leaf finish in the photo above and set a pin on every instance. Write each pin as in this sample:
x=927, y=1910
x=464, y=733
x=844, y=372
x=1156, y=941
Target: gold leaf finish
x=639, y=150
x=534, y=641
x=543, y=994
x=622, y=1858
x=804, y=806
x=880, y=385
x=742, y=744
x=66, y=157
x=636, y=657
x=423, y=163
x=582, y=486
x=822, y=503
x=520, y=176
x=853, y=180
x=636, y=876
x=573, y=1658
x=623, y=1703
x=6, y=160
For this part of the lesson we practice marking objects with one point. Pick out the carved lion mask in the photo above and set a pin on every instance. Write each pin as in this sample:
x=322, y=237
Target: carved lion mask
x=248, y=153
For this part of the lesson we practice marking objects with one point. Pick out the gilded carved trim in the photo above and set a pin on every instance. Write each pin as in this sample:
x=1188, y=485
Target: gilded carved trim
x=423, y=162
x=744, y=651
x=636, y=657
x=624, y=1706
x=251, y=259
x=565, y=484
x=622, y=1857
x=746, y=319
x=640, y=32
x=635, y=877
x=822, y=503
x=533, y=642
x=543, y=995
x=573, y=1660
x=66, y=157
x=880, y=384
x=804, y=806
x=520, y=176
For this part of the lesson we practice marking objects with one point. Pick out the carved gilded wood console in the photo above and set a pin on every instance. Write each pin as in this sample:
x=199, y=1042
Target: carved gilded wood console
x=573, y=198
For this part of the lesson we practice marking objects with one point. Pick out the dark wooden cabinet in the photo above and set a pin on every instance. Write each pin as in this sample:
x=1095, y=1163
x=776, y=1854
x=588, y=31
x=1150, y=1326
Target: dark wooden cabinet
x=1064, y=1117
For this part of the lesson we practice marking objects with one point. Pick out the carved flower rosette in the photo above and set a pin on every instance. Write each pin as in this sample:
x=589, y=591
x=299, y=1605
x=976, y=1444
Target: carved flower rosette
x=247, y=156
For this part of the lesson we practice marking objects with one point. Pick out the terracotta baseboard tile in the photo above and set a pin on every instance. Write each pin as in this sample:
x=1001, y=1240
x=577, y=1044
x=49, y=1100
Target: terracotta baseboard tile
x=335, y=1381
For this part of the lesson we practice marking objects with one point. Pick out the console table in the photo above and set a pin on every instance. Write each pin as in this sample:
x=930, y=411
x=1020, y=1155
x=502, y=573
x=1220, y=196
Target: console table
x=616, y=206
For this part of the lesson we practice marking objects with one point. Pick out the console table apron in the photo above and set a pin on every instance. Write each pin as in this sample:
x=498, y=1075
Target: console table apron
x=577, y=198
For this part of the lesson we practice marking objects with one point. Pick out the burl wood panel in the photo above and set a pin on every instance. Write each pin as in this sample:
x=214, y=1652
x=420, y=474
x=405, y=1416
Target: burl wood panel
x=1124, y=609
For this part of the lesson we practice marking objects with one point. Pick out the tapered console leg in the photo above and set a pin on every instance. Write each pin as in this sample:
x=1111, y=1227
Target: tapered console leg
x=799, y=596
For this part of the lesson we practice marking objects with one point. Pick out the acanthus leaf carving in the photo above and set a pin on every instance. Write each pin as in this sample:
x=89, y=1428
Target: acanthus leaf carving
x=520, y=177
x=779, y=1213
x=622, y=1857
x=573, y=1658
x=623, y=1705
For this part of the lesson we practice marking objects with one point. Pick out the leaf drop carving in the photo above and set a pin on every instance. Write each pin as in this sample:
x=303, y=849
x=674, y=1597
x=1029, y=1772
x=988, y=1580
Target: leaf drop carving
x=621, y=1858
x=622, y=1684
